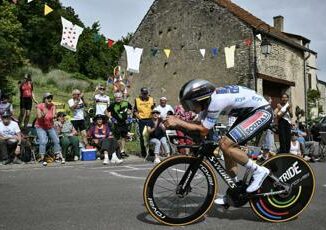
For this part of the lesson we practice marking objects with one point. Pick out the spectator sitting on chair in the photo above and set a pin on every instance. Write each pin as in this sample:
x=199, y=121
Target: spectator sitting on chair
x=118, y=112
x=45, y=115
x=309, y=147
x=100, y=135
x=157, y=136
x=68, y=136
x=10, y=139
x=295, y=147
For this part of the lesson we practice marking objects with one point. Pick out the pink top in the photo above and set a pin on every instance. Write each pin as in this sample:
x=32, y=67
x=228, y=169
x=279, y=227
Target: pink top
x=47, y=121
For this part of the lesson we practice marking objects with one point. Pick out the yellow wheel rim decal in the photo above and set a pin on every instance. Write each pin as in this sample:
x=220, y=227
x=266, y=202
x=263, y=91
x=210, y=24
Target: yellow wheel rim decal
x=285, y=206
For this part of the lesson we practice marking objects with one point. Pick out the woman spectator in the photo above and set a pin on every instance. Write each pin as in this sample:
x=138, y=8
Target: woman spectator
x=283, y=113
x=157, y=136
x=186, y=116
x=68, y=136
x=100, y=135
x=45, y=115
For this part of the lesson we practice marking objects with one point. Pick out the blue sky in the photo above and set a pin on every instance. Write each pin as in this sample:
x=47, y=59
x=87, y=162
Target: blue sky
x=304, y=17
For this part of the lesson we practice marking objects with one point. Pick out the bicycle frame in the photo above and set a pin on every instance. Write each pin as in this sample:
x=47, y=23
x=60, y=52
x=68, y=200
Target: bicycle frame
x=207, y=150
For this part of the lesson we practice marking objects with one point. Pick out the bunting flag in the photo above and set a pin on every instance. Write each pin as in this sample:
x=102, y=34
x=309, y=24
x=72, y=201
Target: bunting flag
x=70, y=34
x=154, y=51
x=203, y=51
x=47, y=9
x=258, y=36
x=214, y=52
x=110, y=43
x=133, y=58
x=229, y=56
x=247, y=42
x=167, y=52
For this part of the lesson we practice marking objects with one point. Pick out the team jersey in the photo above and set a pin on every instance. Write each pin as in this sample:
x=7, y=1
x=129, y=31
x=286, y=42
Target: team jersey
x=231, y=100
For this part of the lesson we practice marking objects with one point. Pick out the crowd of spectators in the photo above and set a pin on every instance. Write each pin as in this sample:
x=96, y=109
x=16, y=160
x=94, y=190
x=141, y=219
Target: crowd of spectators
x=110, y=128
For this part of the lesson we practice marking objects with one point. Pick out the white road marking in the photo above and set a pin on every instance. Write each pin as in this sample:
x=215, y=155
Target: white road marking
x=129, y=177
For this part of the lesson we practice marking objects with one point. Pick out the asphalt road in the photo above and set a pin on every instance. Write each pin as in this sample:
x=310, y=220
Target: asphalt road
x=93, y=196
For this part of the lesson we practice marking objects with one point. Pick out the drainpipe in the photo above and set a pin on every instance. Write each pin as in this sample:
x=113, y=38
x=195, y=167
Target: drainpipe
x=305, y=85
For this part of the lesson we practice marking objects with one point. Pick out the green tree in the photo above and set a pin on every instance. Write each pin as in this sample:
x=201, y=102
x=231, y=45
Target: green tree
x=11, y=52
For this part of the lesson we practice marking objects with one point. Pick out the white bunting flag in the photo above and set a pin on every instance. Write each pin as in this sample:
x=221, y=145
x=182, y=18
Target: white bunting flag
x=229, y=56
x=202, y=51
x=133, y=58
x=70, y=34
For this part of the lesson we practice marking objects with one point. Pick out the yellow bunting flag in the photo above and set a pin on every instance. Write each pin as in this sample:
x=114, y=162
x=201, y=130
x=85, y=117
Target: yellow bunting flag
x=47, y=9
x=167, y=52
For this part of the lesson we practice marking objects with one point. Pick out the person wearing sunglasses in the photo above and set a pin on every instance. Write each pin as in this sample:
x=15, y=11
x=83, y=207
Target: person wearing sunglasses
x=45, y=114
x=102, y=101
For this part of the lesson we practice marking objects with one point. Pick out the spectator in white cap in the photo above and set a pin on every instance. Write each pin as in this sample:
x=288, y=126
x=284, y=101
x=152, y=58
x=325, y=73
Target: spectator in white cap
x=164, y=108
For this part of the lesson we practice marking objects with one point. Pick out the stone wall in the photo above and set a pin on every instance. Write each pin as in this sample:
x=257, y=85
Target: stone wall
x=185, y=26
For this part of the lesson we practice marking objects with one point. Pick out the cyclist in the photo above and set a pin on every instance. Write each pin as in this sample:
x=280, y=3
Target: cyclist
x=253, y=113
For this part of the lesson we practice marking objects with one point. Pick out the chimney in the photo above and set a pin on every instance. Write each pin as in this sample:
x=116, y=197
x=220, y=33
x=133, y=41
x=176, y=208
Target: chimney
x=279, y=23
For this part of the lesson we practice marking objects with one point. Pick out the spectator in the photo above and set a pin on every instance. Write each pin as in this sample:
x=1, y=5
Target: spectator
x=77, y=104
x=100, y=136
x=5, y=105
x=295, y=148
x=68, y=136
x=10, y=139
x=283, y=113
x=310, y=149
x=118, y=112
x=26, y=100
x=102, y=101
x=144, y=105
x=164, y=108
x=44, y=124
x=186, y=116
x=157, y=136
x=268, y=143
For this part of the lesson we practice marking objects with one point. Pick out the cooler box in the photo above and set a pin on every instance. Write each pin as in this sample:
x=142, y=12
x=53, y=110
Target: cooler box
x=88, y=154
x=253, y=152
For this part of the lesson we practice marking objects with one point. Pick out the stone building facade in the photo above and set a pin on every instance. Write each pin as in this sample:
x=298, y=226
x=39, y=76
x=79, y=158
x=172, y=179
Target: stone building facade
x=185, y=26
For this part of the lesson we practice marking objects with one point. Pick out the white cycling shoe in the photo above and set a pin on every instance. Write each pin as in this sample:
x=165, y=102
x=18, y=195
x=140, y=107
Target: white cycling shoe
x=258, y=177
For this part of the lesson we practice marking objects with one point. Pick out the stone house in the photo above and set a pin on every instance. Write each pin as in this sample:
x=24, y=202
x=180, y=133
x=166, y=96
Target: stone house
x=185, y=26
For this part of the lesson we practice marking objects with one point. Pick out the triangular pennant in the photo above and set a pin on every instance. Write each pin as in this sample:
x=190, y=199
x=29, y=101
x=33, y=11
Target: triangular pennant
x=214, y=52
x=203, y=51
x=47, y=9
x=110, y=43
x=247, y=42
x=167, y=52
x=258, y=36
x=154, y=51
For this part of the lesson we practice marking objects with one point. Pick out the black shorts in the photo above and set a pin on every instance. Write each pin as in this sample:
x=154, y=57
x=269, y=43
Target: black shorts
x=26, y=103
x=250, y=125
x=79, y=125
x=120, y=131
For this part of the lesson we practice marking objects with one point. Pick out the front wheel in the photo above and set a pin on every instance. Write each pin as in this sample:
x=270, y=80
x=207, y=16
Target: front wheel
x=167, y=206
x=297, y=173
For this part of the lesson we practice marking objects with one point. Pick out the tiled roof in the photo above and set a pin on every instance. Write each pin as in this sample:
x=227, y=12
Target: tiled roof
x=258, y=24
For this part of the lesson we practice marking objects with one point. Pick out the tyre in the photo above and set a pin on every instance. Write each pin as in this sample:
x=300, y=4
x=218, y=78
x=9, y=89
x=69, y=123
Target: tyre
x=294, y=171
x=165, y=205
